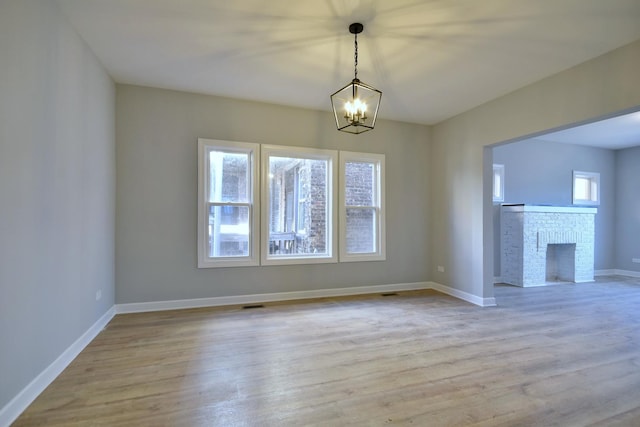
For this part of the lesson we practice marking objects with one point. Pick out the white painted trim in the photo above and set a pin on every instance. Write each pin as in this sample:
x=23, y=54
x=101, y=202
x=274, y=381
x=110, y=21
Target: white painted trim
x=271, y=297
x=556, y=209
x=253, y=151
x=378, y=204
x=594, y=184
x=22, y=400
x=616, y=272
x=465, y=296
x=141, y=307
x=331, y=157
x=628, y=273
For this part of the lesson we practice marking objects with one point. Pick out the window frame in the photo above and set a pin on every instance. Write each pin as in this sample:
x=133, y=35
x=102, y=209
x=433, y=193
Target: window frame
x=594, y=188
x=205, y=146
x=331, y=156
x=379, y=206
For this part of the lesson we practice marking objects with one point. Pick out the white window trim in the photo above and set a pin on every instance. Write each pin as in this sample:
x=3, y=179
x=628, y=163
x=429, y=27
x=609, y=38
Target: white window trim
x=594, y=180
x=499, y=171
x=332, y=221
x=204, y=261
x=380, y=240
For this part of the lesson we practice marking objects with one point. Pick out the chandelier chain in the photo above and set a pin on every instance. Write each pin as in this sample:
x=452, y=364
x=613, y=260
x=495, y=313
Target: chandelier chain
x=355, y=70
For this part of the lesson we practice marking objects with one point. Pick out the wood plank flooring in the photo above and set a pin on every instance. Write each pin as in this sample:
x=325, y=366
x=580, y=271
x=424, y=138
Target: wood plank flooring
x=560, y=355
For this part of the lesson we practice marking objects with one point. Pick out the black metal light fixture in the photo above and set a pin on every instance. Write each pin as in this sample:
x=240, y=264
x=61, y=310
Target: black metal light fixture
x=355, y=106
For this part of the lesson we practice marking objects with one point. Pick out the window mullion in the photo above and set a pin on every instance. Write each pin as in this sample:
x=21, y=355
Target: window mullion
x=361, y=207
x=240, y=204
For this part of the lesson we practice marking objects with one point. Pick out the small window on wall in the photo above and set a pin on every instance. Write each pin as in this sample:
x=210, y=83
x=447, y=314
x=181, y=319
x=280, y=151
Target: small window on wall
x=362, y=226
x=586, y=188
x=498, y=183
x=227, y=204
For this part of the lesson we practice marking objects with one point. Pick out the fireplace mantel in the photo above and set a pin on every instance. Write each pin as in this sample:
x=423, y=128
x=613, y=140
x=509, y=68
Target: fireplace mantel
x=548, y=208
x=544, y=244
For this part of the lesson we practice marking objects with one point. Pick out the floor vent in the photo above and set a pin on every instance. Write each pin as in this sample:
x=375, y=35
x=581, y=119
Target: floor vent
x=389, y=294
x=247, y=307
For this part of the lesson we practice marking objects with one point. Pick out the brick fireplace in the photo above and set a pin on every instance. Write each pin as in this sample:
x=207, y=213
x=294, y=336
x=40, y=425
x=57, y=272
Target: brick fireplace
x=547, y=244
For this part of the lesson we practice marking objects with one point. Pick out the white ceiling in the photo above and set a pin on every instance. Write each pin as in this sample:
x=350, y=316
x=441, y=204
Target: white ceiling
x=432, y=59
x=615, y=133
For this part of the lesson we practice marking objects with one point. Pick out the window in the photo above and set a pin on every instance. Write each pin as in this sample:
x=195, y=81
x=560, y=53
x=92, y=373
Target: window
x=294, y=219
x=298, y=209
x=498, y=183
x=586, y=188
x=362, y=233
x=227, y=202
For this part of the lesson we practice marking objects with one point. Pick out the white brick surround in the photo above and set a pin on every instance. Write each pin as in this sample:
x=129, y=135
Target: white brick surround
x=542, y=244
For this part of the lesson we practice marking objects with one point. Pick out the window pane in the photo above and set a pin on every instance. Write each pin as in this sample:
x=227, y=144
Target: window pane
x=582, y=187
x=359, y=184
x=361, y=233
x=229, y=177
x=228, y=231
x=297, y=206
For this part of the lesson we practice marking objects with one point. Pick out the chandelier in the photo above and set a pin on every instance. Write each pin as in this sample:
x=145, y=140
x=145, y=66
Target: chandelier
x=355, y=106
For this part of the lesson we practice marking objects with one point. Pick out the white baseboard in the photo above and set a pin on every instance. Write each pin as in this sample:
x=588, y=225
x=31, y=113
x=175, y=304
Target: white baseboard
x=296, y=295
x=141, y=307
x=465, y=296
x=22, y=400
x=628, y=273
x=616, y=272
x=604, y=272
x=260, y=298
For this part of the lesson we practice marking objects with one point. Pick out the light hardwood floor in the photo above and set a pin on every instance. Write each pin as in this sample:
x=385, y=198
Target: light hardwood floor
x=559, y=355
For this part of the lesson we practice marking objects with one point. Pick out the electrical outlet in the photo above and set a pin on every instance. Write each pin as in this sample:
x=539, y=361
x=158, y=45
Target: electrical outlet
x=98, y=294
x=637, y=260
x=441, y=269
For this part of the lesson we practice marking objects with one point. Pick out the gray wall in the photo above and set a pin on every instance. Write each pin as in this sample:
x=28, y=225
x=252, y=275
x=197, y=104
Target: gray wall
x=541, y=172
x=57, y=190
x=157, y=132
x=462, y=216
x=627, y=221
